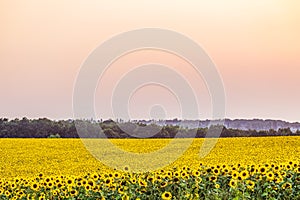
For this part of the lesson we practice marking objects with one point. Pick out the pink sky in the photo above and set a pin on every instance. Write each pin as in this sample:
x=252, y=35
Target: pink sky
x=255, y=45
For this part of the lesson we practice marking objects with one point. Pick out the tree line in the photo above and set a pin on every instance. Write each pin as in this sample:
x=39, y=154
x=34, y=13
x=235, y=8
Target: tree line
x=45, y=128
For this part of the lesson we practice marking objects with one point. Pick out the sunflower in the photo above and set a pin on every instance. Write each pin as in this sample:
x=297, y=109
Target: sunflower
x=121, y=190
x=88, y=187
x=250, y=184
x=216, y=171
x=34, y=186
x=198, y=180
x=113, y=186
x=232, y=183
x=79, y=183
x=196, y=173
x=163, y=184
x=295, y=165
x=288, y=167
x=176, y=180
x=270, y=176
x=47, y=180
x=183, y=174
x=142, y=183
x=277, y=168
x=13, y=185
x=74, y=193
x=151, y=179
x=42, y=197
x=59, y=185
x=50, y=184
x=278, y=179
x=55, y=193
x=252, y=170
x=95, y=176
x=244, y=174
x=262, y=170
x=158, y=178
x=177, y=174
x=40, y=175
x=107, y=181
x=217, y=186
x=213, y=178
x=234, y=174
x=272, y=165
x=225, y=170
x=125, y=197
x=117, y=175
x=283, y=173
x=167, y=177
x=288, y=175
x=7, y=193
x=166, y=196
x=286, y=185
x=126, y=168
x=184, y=168
x=133, y=181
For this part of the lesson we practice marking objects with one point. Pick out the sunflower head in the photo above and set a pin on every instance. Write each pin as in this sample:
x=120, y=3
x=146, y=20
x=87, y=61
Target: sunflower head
x=166, y=196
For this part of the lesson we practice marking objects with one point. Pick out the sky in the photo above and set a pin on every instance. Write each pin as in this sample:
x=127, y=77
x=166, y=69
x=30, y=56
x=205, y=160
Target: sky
x=254, y=44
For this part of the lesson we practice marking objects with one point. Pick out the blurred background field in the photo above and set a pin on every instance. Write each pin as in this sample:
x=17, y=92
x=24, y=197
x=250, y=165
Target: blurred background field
x=28, y=157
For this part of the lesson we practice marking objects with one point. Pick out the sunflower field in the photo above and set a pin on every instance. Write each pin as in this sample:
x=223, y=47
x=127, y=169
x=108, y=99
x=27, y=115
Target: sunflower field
x=236, y=168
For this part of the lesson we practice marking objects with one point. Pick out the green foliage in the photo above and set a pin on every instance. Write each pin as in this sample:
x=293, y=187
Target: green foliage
x=54, y=136
x=43, y=128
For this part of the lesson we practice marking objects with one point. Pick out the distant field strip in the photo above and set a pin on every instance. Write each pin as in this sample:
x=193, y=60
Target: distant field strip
x=28, y=157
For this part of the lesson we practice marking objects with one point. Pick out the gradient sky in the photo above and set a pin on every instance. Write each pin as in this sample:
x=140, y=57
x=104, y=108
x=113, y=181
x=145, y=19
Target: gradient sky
x=254, y=43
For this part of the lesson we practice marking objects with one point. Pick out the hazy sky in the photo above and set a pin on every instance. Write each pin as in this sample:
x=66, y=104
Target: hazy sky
x=254, y=43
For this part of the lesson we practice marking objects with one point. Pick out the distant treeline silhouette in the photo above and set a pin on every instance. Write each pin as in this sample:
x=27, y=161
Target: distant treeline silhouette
x=45, y=128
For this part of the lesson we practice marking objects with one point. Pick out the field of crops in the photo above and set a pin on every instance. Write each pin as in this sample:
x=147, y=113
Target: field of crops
x=236, y=168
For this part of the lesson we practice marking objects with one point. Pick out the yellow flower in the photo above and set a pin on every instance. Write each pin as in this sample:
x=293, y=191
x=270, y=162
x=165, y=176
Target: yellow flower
x=244, y=174
x=133, y=181
x=163, y=184
x=213, y=178
x=234, y=174
x=183, y=174
x=117, y=175
x=142, y=183
x=125, y=197
x=74, y=192
x=166, y=196
x=262, y=170
x=42, y=197
x=250, y=184
x=108, y=181
x=270, y=176
x=126, y=168
x=287, y=185
x=216, y=171
x=95, y=176
x=121, y=190
x=232, y=183
x=34, y=186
